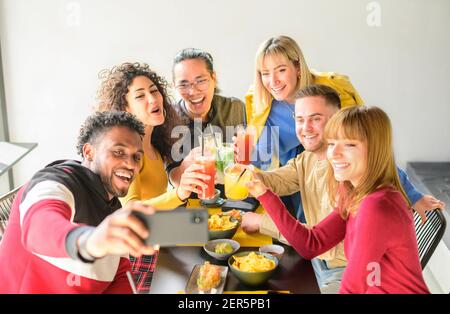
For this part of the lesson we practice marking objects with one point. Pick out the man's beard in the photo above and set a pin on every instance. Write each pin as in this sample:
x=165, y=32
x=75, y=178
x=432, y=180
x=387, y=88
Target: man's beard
x=107, y=183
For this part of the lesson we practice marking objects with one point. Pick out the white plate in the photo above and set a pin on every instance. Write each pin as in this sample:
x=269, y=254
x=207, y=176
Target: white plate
x=192, y=288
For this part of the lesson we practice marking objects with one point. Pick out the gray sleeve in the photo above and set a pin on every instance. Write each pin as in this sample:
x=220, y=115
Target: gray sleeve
x=71, y=243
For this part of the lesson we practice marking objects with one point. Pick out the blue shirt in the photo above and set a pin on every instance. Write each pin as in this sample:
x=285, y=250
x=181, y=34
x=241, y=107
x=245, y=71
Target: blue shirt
x=410, y=189
x=278, y=137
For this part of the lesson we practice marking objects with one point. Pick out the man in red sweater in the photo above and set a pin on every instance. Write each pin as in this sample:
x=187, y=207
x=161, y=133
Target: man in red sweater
x=66, y=232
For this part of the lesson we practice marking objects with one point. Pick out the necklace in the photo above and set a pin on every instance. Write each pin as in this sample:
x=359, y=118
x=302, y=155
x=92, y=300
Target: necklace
x=291, y=110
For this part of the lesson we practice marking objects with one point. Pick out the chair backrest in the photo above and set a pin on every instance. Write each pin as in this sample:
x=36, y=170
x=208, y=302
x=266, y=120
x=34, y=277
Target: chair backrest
x=6, y=202
x=429, y=234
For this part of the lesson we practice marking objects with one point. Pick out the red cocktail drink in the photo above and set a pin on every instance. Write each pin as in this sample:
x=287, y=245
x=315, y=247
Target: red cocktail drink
x=244, y=142
x=209, y=164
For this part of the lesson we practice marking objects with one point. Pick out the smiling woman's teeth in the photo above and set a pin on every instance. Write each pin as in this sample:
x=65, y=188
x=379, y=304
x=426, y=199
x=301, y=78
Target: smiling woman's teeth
x=340, y=165
x=276, y=90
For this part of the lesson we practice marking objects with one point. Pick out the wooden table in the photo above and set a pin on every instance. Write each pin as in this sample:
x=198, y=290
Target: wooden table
x=175, y=264
x=174, y=267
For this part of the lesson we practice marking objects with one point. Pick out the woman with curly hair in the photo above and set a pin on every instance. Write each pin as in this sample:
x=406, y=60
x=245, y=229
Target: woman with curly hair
x=135, y=88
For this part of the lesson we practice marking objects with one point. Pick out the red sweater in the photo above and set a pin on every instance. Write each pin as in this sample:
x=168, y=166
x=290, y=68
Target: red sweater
x=34, y=252
x=379, y=242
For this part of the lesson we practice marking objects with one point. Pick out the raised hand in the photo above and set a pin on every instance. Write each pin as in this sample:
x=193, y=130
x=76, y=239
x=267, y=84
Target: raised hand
x=427, y=202
x=190, y=180
x=121, y=233
x=255, y=185
x=251, y=222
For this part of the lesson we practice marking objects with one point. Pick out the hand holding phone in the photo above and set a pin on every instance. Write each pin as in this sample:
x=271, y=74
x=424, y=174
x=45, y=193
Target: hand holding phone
x=174, y=227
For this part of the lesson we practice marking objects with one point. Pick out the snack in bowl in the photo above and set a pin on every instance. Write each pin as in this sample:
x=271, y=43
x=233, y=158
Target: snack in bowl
x=221, y=222
x=222, y=226
x=253, y=268
x=253, y=263
x=223, y=248
x=209, y=277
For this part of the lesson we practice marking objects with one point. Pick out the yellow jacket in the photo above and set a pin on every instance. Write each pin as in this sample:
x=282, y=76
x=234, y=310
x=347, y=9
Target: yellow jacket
x=150, y=186
x=257, y=116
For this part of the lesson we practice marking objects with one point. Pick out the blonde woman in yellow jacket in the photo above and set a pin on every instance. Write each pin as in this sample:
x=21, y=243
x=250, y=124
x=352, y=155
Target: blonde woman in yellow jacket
x=281, y=71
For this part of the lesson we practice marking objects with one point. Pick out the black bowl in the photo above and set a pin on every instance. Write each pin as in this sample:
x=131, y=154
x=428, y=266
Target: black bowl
x=252, y=278
x=224, y=234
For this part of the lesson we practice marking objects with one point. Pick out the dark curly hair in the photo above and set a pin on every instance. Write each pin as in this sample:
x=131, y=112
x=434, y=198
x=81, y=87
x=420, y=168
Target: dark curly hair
x=100, y=122
x=114, y=88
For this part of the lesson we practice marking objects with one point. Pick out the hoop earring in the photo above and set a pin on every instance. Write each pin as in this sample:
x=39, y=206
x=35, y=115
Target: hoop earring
x=164, y=112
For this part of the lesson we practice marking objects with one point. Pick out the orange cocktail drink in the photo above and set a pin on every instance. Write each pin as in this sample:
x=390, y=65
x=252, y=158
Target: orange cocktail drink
x=235, y=180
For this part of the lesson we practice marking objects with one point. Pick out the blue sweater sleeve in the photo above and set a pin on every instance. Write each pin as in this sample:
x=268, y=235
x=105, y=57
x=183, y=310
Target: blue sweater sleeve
x=409, y=188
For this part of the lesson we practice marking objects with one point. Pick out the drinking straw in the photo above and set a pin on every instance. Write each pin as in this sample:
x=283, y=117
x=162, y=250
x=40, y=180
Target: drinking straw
x=214, y=138
x=242, y=173
x=245, y=117
x=215, y=142
x=131, y=281
x=237, y=181
x=203, y=145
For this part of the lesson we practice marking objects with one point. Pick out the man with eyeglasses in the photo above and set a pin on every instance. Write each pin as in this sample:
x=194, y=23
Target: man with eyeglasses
x=200, y=107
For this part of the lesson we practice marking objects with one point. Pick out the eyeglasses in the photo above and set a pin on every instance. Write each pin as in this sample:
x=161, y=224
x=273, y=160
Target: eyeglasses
x=200, y=85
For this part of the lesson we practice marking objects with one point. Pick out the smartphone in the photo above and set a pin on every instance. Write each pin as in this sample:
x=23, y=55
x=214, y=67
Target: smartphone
x=174, y=227
x=247, y=205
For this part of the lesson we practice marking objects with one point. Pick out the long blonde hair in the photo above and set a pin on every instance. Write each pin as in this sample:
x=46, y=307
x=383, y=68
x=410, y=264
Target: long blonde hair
x=278, y=46
x=372, y=126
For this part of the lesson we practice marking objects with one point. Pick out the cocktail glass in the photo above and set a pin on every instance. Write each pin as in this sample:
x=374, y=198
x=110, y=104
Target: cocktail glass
x=245, y=137
x=224, y=158
x=235, y=180
x=211, y=141
x=208, y=161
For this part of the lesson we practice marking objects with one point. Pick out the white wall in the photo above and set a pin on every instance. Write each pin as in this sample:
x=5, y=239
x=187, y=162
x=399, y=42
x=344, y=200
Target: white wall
x=51, y=61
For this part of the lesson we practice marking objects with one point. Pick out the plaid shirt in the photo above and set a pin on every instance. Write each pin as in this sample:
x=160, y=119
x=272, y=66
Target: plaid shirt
x=142, y=269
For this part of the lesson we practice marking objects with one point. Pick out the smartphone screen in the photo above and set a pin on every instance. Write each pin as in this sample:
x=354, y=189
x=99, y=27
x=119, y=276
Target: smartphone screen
x=180, y=226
